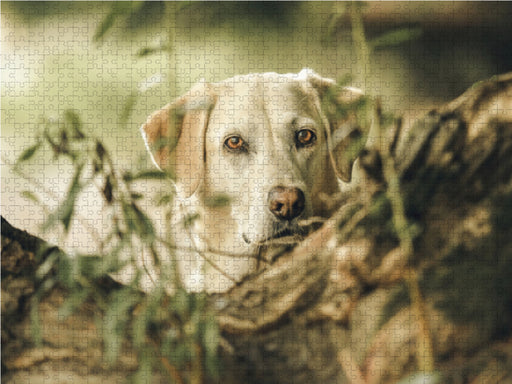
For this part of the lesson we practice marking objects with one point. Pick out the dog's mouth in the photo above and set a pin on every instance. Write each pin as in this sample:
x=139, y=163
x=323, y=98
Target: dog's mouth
x=288, y=235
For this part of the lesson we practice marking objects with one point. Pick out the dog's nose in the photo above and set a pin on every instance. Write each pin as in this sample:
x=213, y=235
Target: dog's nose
x=286, y=203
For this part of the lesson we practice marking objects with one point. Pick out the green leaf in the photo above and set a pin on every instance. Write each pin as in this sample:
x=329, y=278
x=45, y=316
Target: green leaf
x=128, y=108
x=73, y=302
x=137, y=221
x=118, y=9
x=146, y=175
x=164, y=199
x=65, y=271
x=395, y=37
x=115, y=322
x=100, y=150
x=29, y=152
x=146, y=51
x=73, y=119
x=136, y=196
x=107, y=190
x=35, y=322
x=146, y=358
x=66, y=210
x=217, y=201
x=30, y=196
x=211, y=336
x=47, y=265
x=189, y=219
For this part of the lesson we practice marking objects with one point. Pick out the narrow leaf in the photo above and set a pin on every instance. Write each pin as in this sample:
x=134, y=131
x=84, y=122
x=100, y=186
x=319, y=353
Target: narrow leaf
x=108, y=190
x=29, y=152
x=150, y=174
x=218, y=200
x=395, y=37
x=65, y=212
x=30, y=196
x=128, y=108
x=73, y=119
x=73, y=302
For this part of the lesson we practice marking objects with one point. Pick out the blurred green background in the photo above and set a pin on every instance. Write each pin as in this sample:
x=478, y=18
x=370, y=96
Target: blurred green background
x=93, y=56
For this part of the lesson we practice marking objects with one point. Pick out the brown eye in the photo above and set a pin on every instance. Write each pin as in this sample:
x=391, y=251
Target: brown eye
x=305, y=137
x=235, y=143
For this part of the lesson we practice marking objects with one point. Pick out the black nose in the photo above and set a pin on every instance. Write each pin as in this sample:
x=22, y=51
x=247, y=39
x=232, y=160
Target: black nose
x=286, y=203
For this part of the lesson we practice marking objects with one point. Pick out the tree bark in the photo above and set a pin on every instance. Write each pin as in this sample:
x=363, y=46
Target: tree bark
x=341, y=306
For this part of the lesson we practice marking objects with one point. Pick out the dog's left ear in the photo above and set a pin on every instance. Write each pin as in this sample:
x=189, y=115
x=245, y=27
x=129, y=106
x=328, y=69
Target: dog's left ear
x=175, y=136
x=337, y=107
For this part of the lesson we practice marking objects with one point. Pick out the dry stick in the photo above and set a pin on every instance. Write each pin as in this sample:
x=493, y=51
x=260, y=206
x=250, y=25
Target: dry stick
x=350, y=367
x=425, y=350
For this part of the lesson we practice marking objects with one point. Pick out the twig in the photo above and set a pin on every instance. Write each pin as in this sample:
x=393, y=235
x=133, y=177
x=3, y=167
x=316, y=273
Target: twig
x=350, y=367
x=425, y=351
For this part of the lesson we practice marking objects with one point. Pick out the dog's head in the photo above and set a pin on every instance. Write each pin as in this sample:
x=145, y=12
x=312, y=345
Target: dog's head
x=264, y=141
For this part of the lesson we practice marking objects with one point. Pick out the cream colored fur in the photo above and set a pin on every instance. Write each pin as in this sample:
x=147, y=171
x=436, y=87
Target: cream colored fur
x=188, y=136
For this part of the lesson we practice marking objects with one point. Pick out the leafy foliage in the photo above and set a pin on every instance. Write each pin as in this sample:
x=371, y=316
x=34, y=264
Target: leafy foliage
x=175, y=333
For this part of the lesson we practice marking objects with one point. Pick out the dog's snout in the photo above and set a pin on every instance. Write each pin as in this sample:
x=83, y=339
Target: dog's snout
x=286, y=203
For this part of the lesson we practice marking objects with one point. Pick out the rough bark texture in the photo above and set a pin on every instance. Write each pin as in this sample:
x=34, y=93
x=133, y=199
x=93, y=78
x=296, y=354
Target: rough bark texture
x=337, y=307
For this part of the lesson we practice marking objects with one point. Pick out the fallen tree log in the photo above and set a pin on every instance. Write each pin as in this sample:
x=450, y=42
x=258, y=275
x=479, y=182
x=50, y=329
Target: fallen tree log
x=342, y=306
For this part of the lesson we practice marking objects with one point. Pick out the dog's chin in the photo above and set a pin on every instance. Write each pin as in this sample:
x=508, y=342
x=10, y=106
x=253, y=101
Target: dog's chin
x=277, y=235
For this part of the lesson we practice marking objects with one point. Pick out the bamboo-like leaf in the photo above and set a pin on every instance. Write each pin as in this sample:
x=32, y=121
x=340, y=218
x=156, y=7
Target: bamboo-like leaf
x=146, y=51
x=73, y=302
x=29, y=152
x=118, y=9
x=30, y=196
x=115, y=322
x=147, y=175
x=144, y=223
x=66, y=210
x=137, y=221
x=35, y=322
x=210, y=340
x=164, y=199
x=108, y=190
x=189, y=220
x=136, y=196
x=395, y=37
x=145, y=369
x=47, y=265
x=128, y=108
x=218, y=200
x=65, y=271
x=73, y=119
x=100, y=150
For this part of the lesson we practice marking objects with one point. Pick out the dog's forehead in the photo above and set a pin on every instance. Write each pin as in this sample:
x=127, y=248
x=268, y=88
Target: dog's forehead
x=269, y=92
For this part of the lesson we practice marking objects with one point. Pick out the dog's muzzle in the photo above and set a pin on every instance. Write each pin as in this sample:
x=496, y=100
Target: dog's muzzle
x=286, y=203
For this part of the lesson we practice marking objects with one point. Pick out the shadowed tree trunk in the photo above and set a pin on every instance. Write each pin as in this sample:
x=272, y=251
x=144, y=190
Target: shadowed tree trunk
x=349, y=304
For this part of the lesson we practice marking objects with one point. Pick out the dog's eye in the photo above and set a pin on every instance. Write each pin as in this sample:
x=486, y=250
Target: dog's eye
x=305, y=137
x=235, y=143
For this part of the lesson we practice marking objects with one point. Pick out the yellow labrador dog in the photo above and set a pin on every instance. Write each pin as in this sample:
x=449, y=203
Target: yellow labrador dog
x=263, y=143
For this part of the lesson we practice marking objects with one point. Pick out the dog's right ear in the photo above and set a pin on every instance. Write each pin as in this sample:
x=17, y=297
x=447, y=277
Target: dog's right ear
x=342, y=131
x=175, y=136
